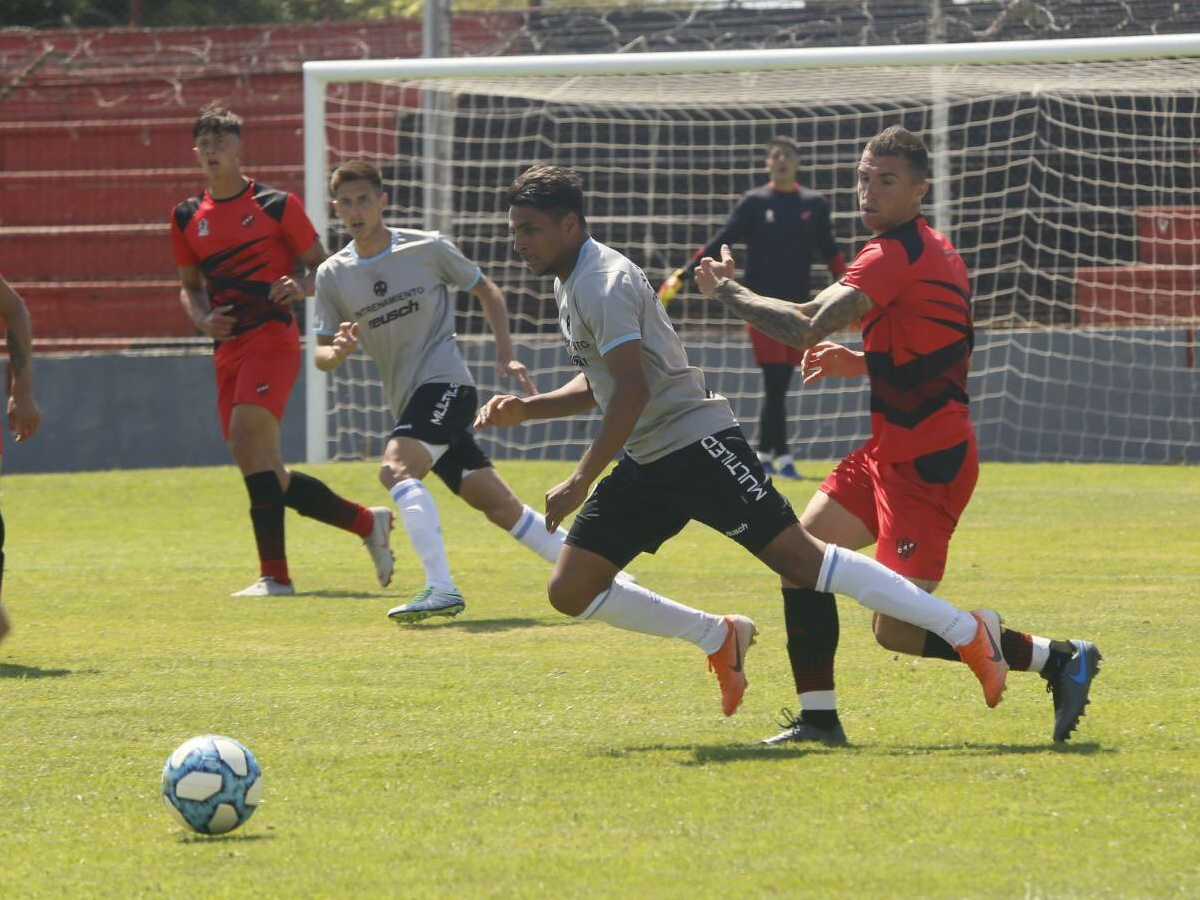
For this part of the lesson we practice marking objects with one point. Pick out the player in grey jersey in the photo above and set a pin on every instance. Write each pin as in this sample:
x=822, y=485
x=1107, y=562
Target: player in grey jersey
x=390, y=291
x=685, y=458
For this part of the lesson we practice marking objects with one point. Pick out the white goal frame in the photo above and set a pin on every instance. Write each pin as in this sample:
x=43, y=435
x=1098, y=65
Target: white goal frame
x=320, y=74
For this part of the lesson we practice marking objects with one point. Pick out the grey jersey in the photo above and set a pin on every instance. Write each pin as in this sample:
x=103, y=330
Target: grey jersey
x=402, y=302
x=606, y=302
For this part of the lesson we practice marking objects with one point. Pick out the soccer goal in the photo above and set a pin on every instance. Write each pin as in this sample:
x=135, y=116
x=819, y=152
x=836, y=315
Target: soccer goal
x=1064, y=171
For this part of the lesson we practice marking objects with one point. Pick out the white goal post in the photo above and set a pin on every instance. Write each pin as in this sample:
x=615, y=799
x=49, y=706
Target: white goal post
x=1063, y=170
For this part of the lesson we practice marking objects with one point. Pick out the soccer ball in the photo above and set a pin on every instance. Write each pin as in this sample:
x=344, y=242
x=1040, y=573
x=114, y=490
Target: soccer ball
x=211, y=784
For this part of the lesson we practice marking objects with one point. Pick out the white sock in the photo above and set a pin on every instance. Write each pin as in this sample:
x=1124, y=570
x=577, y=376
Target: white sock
x=420, y=516
x=1040, y=654
x=814, y=700
x=530, y=530
x=632, y=607
x=879, y=588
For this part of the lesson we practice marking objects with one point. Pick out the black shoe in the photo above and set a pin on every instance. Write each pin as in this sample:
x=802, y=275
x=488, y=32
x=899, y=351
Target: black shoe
x=1069, y=687
x=796, y=731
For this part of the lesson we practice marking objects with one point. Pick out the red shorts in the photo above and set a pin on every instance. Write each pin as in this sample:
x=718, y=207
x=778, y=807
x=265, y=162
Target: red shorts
x=911, y=507
x=258, y=367
x=769, y=350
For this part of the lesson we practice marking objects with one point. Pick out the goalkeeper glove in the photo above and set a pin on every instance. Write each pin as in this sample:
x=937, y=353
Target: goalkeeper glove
x=669, y=288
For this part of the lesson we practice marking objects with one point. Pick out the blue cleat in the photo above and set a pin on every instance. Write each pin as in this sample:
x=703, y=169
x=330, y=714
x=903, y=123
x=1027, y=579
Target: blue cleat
x=1069, y=687
x=789, y=471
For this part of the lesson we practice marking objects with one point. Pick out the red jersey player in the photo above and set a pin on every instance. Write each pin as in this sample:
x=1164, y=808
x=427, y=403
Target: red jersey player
x=905, y=488
x=236, y=245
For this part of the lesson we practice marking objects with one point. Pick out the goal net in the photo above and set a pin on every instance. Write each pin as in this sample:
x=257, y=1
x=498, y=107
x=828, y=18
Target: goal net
x=1064, y=171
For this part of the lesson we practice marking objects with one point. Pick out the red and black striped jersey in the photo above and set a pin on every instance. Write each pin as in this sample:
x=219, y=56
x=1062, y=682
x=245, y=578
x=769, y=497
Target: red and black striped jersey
x=918, y=339
x=242, y=245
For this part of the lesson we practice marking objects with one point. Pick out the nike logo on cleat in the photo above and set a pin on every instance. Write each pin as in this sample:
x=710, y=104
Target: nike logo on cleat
x=996, y=655
x=737, y=647
x=1081, y=676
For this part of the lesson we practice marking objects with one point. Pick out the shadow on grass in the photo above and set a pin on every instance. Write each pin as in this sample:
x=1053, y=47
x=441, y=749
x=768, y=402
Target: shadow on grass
x=238, y=837
x=970, y=749
x=486, y=626
x=12, y=670
x=706, y=754
x=336, y=595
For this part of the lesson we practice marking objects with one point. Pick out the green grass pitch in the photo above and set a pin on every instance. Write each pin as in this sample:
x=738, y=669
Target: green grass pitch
x=513, y=753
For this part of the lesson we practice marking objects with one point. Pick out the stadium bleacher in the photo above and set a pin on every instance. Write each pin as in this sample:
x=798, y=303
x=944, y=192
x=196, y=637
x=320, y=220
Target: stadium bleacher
x=95, y=151
x=95, y=148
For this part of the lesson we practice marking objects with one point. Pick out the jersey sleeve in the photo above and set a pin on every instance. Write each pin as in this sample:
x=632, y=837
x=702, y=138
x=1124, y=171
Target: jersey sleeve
x=454, y=267
x=611, y=304
x=298, y=230
x=180, y=248
x=881, y=271
x=326, y=308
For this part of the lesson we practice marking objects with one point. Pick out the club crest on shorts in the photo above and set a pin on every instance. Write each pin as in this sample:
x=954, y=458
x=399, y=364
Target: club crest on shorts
x=262, y=387
x=247, y=220
x=905, y=547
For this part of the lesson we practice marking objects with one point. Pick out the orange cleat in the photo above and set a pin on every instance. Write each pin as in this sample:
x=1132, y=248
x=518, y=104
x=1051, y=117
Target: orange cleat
x=729, y=662
x=983, y=655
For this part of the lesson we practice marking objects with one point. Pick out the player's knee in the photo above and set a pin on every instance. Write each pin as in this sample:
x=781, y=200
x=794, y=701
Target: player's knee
x=503, y=512
x=389, y=475
x=565, y=595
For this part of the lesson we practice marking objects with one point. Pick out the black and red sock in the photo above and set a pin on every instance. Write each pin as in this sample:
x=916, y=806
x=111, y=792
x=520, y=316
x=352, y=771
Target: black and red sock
x=266, y=515
x=313, y=498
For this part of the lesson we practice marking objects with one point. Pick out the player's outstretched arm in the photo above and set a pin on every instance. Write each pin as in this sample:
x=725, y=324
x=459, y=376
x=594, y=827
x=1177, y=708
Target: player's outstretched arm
x=495, y=310
x=506, y=410
x=24, y=417
x=836, y=308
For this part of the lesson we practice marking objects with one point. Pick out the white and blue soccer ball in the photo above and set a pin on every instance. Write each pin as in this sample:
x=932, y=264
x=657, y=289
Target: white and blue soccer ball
x=212, y=784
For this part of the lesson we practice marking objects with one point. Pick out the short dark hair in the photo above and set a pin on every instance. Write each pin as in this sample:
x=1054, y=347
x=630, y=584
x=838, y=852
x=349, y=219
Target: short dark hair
x=216, y=119
x=553, y=189
x=356, y=170
x=895, y=140
x=785, y=142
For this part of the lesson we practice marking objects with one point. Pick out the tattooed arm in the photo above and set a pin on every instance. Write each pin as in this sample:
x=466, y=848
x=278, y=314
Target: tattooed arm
x=834, y=309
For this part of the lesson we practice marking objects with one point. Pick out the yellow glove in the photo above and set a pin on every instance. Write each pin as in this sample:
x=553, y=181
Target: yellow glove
x=669, y=288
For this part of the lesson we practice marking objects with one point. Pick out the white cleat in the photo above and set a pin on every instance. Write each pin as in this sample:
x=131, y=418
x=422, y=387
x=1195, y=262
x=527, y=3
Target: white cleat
x=428, y=602
x=266, y=587
x=377, y=544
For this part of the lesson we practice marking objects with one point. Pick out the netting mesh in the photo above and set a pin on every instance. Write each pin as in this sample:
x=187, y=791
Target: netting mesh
x=1068, y=188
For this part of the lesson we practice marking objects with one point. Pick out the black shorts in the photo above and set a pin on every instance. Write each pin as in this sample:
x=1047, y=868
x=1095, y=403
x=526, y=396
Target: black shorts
x=441, y=415
x=718, y=481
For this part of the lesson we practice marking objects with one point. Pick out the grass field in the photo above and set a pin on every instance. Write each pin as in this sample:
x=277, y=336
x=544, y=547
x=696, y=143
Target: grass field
x=514, y=753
